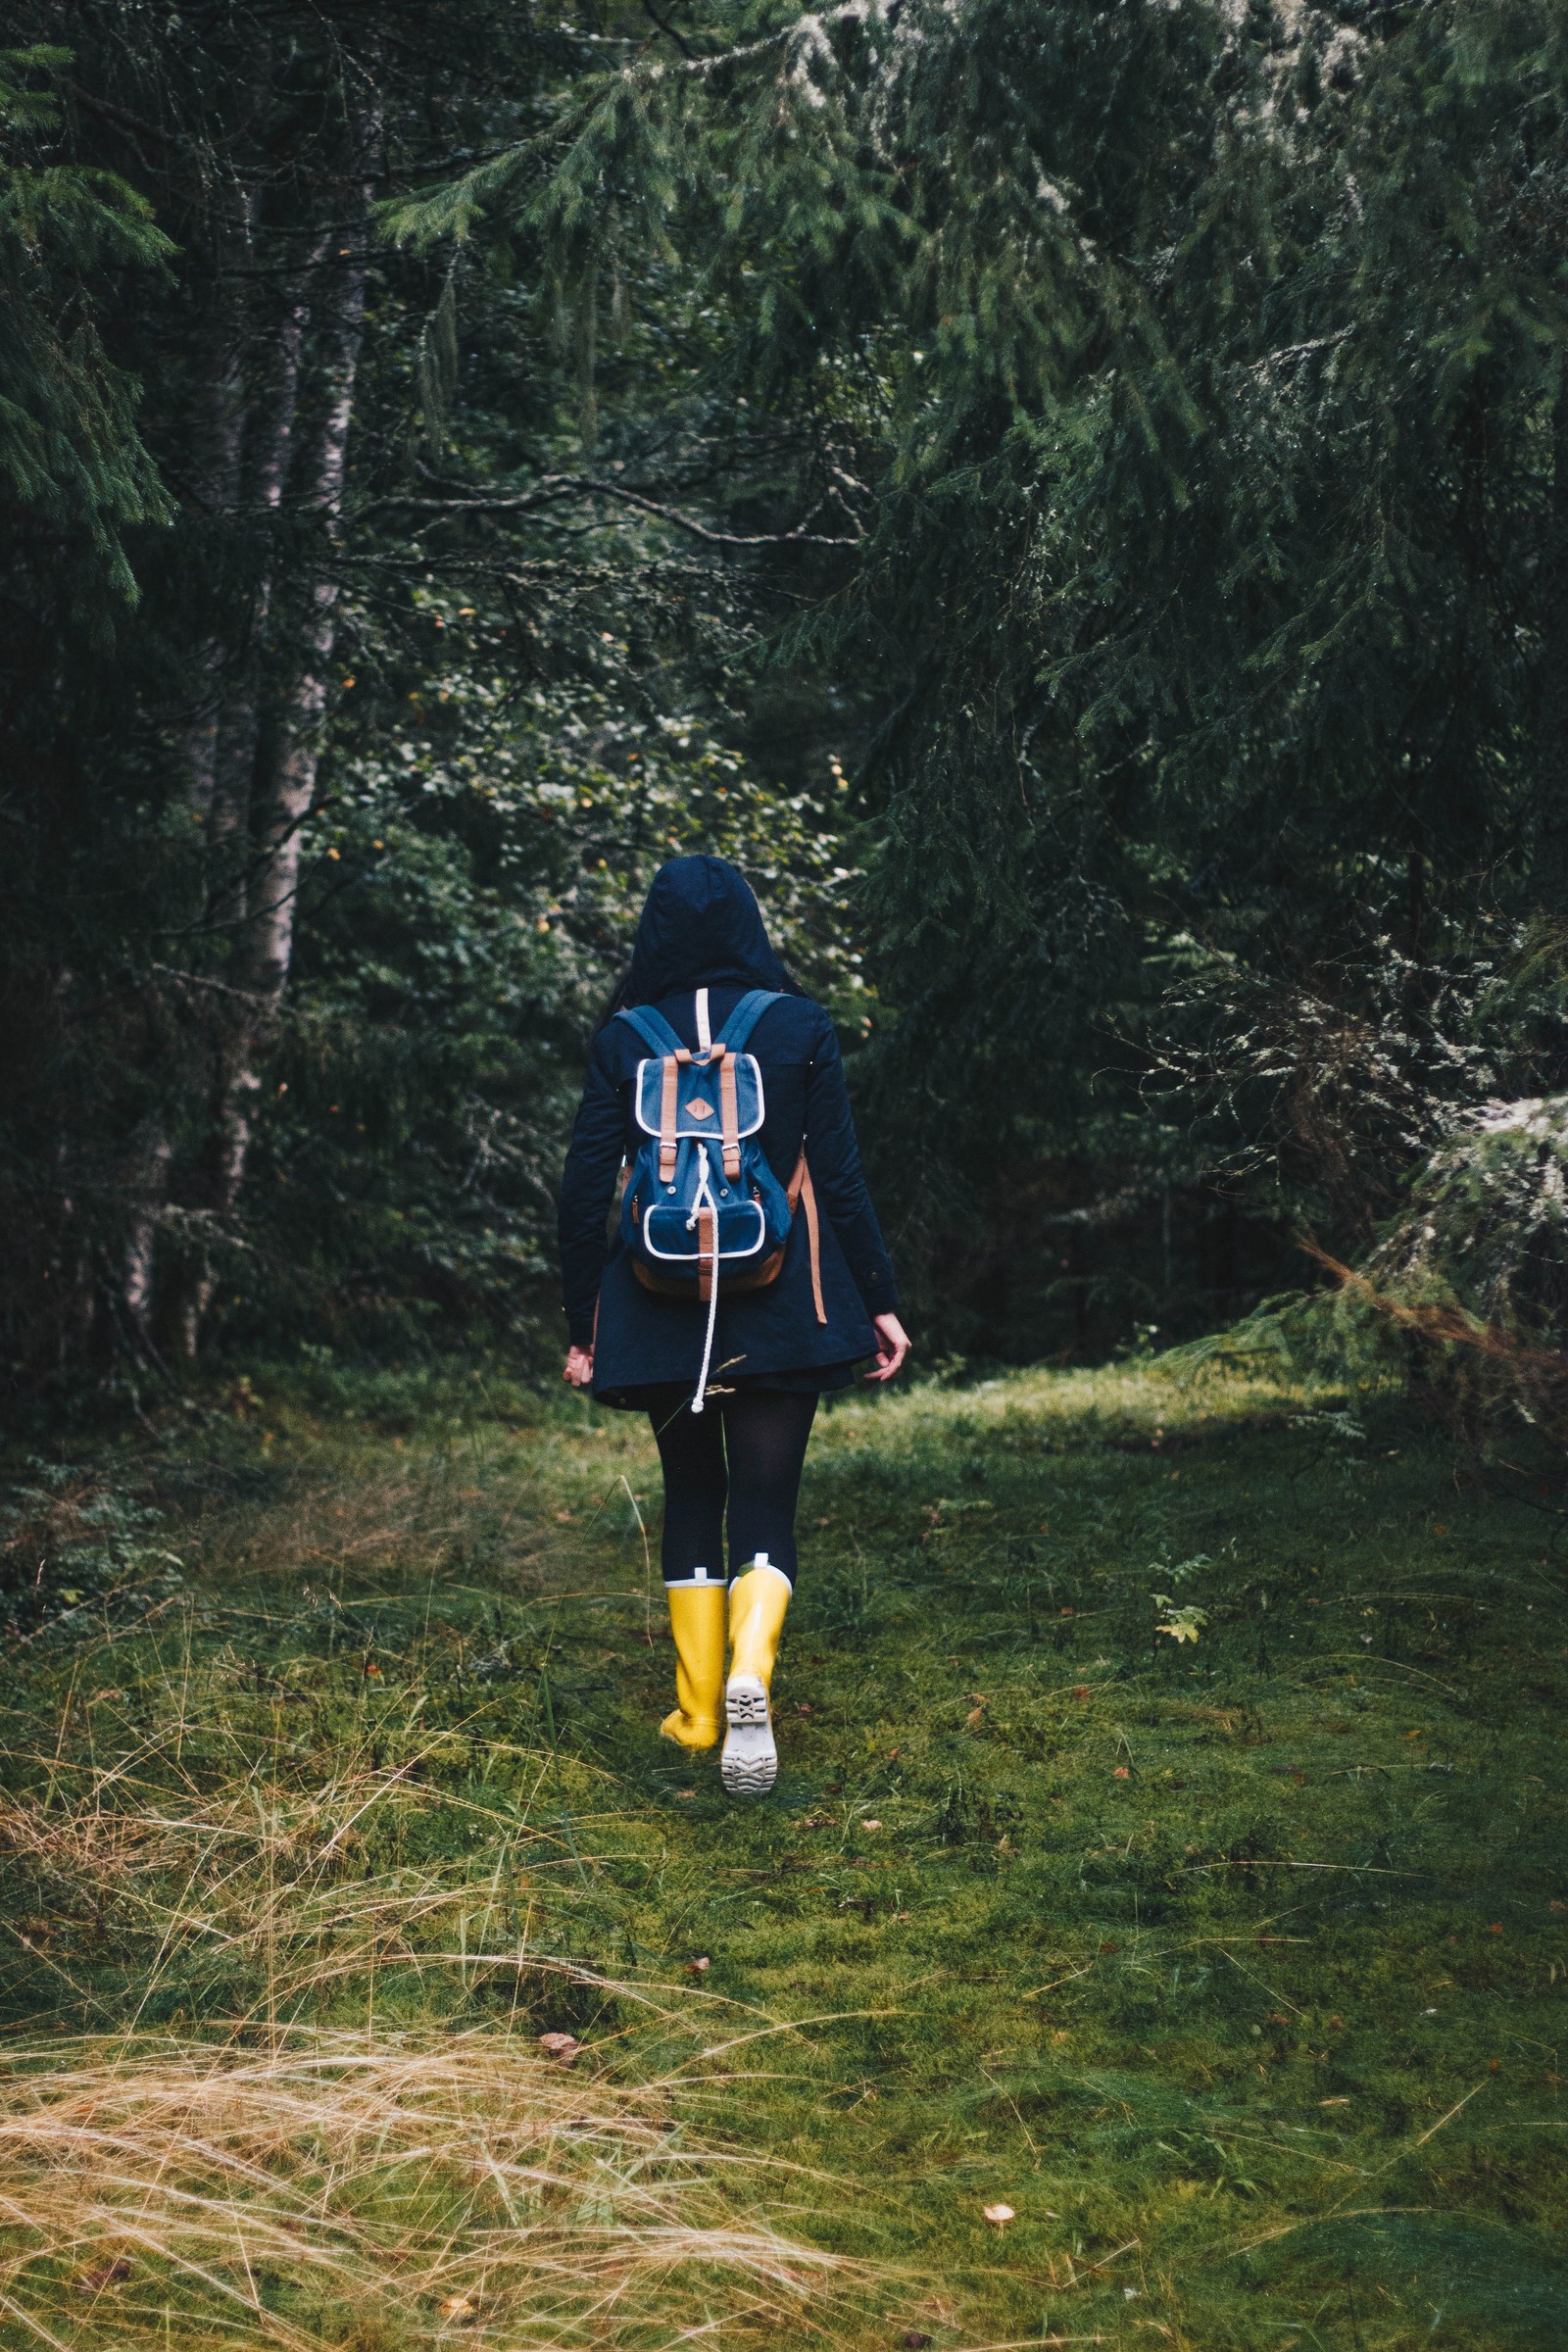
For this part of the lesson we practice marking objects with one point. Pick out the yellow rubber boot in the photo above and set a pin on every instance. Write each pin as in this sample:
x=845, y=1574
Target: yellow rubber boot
x=696, y=1619
x=757, y=1600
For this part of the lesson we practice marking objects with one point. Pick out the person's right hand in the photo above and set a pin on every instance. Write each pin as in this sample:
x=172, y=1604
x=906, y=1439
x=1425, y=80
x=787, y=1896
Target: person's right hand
x=892, y=1347
x=579, y=1368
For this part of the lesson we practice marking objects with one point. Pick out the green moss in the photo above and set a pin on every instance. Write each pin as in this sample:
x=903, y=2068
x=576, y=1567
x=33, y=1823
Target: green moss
x=1232, y=1965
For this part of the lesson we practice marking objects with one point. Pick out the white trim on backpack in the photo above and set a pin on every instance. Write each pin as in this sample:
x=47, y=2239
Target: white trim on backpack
x=703, y=1131
x=689, y=1258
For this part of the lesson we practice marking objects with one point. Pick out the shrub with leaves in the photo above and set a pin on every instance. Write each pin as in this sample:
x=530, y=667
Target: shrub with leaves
x=71, y=1542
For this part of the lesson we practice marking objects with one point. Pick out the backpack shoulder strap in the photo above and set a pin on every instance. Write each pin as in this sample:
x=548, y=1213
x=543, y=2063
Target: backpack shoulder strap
x=652, y=1028
x=746, y=1015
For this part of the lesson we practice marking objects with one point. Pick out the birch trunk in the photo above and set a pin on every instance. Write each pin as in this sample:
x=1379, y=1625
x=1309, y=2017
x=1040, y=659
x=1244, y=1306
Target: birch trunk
x=1552, y=742
x=218, y=444
x=217, y=449
x=284, y=795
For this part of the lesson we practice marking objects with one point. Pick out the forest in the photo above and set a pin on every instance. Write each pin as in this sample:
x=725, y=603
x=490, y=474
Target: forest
x=1071, y=496
x=1072, y=499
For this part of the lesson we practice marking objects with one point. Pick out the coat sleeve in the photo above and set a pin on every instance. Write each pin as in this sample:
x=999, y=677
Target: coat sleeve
x=587, y=1188
x=834, y=1159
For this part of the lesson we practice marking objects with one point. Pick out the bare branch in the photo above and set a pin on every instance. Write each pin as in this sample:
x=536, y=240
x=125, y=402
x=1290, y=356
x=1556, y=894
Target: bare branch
x=554, y=485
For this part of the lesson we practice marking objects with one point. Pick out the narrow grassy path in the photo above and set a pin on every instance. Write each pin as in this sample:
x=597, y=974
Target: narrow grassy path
x=1228, y=1957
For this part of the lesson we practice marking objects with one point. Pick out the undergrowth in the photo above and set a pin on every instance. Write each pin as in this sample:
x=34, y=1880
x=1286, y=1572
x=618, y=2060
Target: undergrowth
x=1167, y=1857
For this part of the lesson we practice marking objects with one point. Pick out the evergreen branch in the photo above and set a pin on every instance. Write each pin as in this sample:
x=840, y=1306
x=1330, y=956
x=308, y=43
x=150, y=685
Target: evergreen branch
x=670, y=32
x=555, y=484
x=802, y=29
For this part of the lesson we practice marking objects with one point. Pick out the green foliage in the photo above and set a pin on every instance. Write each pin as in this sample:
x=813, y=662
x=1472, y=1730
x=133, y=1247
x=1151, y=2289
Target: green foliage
x=1195, y=376
x=1131, y=441
x=70, y=452
x=75, y=1545
x=475, y=877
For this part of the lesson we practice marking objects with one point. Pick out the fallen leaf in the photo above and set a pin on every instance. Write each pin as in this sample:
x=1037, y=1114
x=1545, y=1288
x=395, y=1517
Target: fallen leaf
x=564, y=1517
x=1080, y=1689
x=1107, y=1948
x=112, y=2273
x=458, y=2307
x=1495, y=1927
x=912, y=2340
x=698, y=1967
x=1000, y=2215
x=373, y=1670
x=685, y=1792
x=871, y=1825
x=562, y=2047
x=975, y=1719
x=1334, y=2102
x=1122, y=1773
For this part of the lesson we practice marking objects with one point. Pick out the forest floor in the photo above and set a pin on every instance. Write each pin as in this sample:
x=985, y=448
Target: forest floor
x=1224, y=1969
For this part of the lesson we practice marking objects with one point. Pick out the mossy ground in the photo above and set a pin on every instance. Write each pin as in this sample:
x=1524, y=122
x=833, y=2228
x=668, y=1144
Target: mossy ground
x=1233, y=1966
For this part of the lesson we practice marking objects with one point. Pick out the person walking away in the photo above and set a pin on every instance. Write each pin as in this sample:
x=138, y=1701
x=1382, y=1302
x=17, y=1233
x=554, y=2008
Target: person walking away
x=747, y=1276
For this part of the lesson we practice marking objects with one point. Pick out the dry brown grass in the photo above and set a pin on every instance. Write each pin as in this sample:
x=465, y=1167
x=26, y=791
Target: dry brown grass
x=338, y=2152
x=301, y=2188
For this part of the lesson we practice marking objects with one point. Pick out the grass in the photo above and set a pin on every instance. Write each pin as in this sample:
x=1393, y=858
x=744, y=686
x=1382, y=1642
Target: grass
x=1231, y=1964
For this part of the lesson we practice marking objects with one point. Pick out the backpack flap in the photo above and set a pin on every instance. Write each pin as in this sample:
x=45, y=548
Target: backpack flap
x=699, y=1089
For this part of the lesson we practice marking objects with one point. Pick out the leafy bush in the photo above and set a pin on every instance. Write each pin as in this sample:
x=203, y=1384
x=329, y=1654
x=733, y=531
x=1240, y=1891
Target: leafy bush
x=70, y=1540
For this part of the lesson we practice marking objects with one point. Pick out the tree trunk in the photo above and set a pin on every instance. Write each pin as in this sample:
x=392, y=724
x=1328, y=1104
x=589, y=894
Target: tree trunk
x=1552, y=746
x=265, y=487
x=217, y=451
x=279, y=799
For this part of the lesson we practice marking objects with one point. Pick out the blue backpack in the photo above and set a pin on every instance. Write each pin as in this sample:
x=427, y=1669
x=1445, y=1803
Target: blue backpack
x=700, y=1203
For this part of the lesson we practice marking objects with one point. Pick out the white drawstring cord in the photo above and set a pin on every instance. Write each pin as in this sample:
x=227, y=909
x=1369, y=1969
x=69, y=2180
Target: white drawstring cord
x=704, y=1188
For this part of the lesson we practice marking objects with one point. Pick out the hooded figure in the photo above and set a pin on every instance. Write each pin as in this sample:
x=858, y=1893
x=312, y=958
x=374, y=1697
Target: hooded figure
x=700, y=947
x=701, y=926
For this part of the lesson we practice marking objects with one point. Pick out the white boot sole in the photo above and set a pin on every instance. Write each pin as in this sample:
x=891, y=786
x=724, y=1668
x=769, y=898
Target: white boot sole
x=749, y=1763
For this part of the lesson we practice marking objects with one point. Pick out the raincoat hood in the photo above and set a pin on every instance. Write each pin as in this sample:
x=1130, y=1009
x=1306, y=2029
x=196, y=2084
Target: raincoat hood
x=701, y=926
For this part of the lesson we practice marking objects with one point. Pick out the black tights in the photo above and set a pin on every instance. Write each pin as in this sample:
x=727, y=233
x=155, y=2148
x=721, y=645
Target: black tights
x=749, y=1447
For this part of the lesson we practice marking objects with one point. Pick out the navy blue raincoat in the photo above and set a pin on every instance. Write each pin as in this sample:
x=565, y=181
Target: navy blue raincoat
x=702, y=928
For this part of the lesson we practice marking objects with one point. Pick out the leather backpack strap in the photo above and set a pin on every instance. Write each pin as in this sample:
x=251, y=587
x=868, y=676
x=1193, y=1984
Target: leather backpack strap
x=707, y=1251
x=801, y=1194
x=728, y=1111
x=668, y=1105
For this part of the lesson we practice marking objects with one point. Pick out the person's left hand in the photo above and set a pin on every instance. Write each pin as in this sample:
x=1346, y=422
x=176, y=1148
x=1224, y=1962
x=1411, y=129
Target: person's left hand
x=893, y=1345
x=578, y=1372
